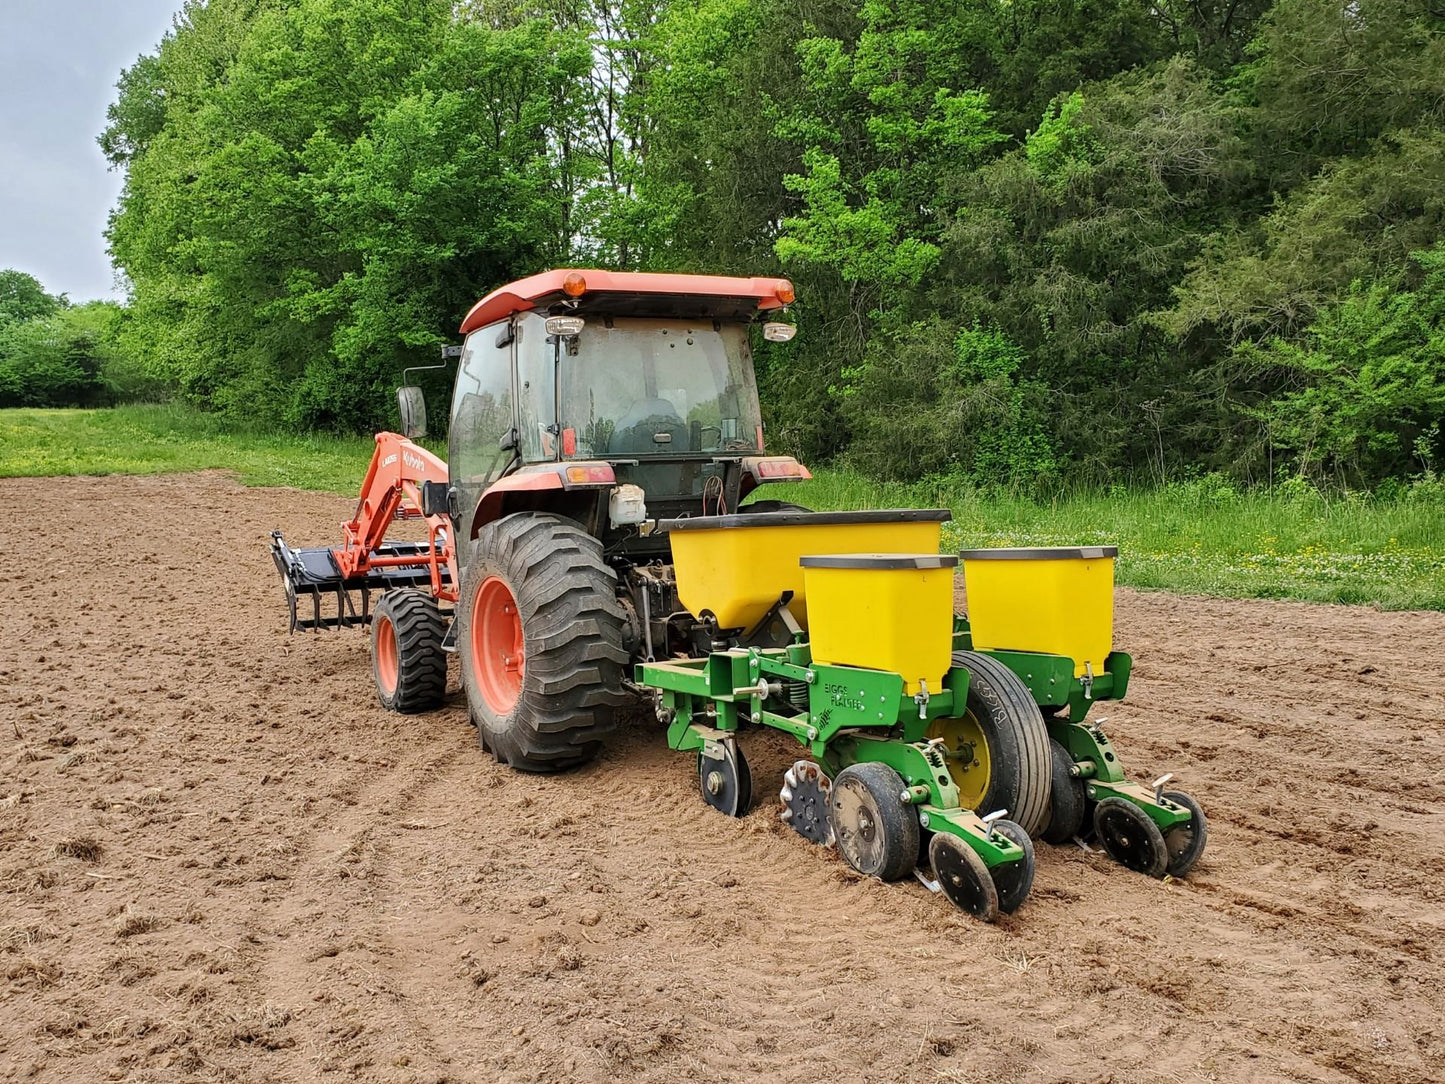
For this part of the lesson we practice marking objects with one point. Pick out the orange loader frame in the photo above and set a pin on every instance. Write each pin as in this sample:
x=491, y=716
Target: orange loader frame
x=392, y=490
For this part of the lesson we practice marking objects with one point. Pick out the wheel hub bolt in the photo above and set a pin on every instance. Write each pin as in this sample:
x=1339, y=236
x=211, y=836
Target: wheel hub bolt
x=714, y=783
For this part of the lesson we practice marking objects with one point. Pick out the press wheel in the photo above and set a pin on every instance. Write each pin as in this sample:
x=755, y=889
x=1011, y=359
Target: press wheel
x=964, y=878
x=1185, y=842
x=1131, y=837
x=877, y=833
x=724, y=778
x=1014, y=879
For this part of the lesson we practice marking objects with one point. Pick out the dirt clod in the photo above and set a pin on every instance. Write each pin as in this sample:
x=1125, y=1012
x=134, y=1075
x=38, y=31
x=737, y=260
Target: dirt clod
x=83, y=847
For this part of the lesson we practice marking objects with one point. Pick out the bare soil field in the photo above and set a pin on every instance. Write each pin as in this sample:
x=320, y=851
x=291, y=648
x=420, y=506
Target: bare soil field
x=220, y=859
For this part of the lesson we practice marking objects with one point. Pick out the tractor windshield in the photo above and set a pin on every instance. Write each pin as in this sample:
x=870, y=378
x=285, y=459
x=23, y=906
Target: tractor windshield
x=646, y=387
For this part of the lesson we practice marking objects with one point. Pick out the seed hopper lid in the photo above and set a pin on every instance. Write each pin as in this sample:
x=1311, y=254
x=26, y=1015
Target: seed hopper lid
x=1047, y=553
x=880, y=560
x=745, y=518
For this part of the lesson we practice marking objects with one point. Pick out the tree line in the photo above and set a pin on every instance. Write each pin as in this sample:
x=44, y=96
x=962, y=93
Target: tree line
x=1034, y=241
x=56, y=354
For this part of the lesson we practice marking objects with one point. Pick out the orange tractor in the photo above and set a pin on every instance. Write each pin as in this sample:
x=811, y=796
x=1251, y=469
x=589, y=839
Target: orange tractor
x=588, y=406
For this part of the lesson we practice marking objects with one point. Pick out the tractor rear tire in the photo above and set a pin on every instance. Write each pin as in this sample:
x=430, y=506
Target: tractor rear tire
x=407, y=660
x=771, y=506
x=540, y=638
x=1019, y=761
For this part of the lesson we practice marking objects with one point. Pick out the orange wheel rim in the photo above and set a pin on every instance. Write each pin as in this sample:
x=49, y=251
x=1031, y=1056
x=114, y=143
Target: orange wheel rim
x=388, y=666
x=496, y=645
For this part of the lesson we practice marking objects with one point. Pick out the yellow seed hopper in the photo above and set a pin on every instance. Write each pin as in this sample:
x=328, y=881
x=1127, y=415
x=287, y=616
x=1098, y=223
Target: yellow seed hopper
x=735, y=568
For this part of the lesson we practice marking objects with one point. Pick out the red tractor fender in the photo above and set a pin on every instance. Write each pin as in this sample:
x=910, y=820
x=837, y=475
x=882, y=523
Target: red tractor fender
x=500, y=497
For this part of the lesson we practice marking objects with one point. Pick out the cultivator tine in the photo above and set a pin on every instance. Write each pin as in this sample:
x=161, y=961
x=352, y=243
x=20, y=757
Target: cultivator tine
x=314, y=572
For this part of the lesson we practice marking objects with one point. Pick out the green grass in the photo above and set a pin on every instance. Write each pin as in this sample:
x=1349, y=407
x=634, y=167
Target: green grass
x=161, y=439
x=1199, y=537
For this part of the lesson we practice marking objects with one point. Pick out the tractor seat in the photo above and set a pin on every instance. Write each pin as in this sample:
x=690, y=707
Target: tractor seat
x=637, y=429
x=646, y=410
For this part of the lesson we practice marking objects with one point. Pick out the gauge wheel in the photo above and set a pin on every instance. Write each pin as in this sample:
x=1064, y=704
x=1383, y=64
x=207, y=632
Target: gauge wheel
x=877, y=833
x=1131, y=837
x=1014, y=879
x=1186, y=841
x=963, y=877
x=1068, y=799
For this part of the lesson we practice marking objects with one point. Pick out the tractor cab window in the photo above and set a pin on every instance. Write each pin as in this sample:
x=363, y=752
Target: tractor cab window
x=654, y=387
x=536, y=389
x=482, y=416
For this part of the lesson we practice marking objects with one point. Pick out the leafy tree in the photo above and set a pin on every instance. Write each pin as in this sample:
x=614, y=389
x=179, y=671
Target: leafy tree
x=1365, y=394
x=333, y=185
x=23, y=298
x=1032, y=240
x=61, y=358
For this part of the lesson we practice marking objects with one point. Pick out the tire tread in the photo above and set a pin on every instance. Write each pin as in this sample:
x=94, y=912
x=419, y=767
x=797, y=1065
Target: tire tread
x=1021, y=715
x=572, y=692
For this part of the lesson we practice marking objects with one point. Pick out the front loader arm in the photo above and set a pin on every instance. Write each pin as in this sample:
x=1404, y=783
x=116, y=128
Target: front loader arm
x=391, y=491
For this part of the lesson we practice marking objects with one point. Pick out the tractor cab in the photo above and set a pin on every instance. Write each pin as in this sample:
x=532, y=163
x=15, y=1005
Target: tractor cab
x=596, y=382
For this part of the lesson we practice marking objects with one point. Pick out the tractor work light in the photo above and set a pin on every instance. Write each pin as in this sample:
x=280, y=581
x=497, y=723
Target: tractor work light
x=777, y=332
x=565, y=326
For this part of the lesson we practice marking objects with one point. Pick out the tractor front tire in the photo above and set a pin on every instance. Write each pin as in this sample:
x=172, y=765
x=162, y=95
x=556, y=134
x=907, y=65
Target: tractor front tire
x=407, y=660
x=540, y=638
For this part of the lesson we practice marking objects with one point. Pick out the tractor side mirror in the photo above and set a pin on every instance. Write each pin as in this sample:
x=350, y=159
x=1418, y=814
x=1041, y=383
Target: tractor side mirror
x=412, y=406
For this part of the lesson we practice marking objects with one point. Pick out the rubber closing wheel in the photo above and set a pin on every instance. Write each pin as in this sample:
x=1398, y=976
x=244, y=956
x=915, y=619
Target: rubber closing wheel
x=1068, y=800
x=1014, y=879
x=1185, y=842
x=724, y=778
x=1131, y=837
x=964, y=878
x=877, y=833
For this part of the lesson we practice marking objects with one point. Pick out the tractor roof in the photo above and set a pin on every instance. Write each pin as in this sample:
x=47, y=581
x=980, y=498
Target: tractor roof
x=631, y=293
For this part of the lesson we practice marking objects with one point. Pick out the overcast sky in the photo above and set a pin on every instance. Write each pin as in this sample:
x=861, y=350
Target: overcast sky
x=59, y=60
